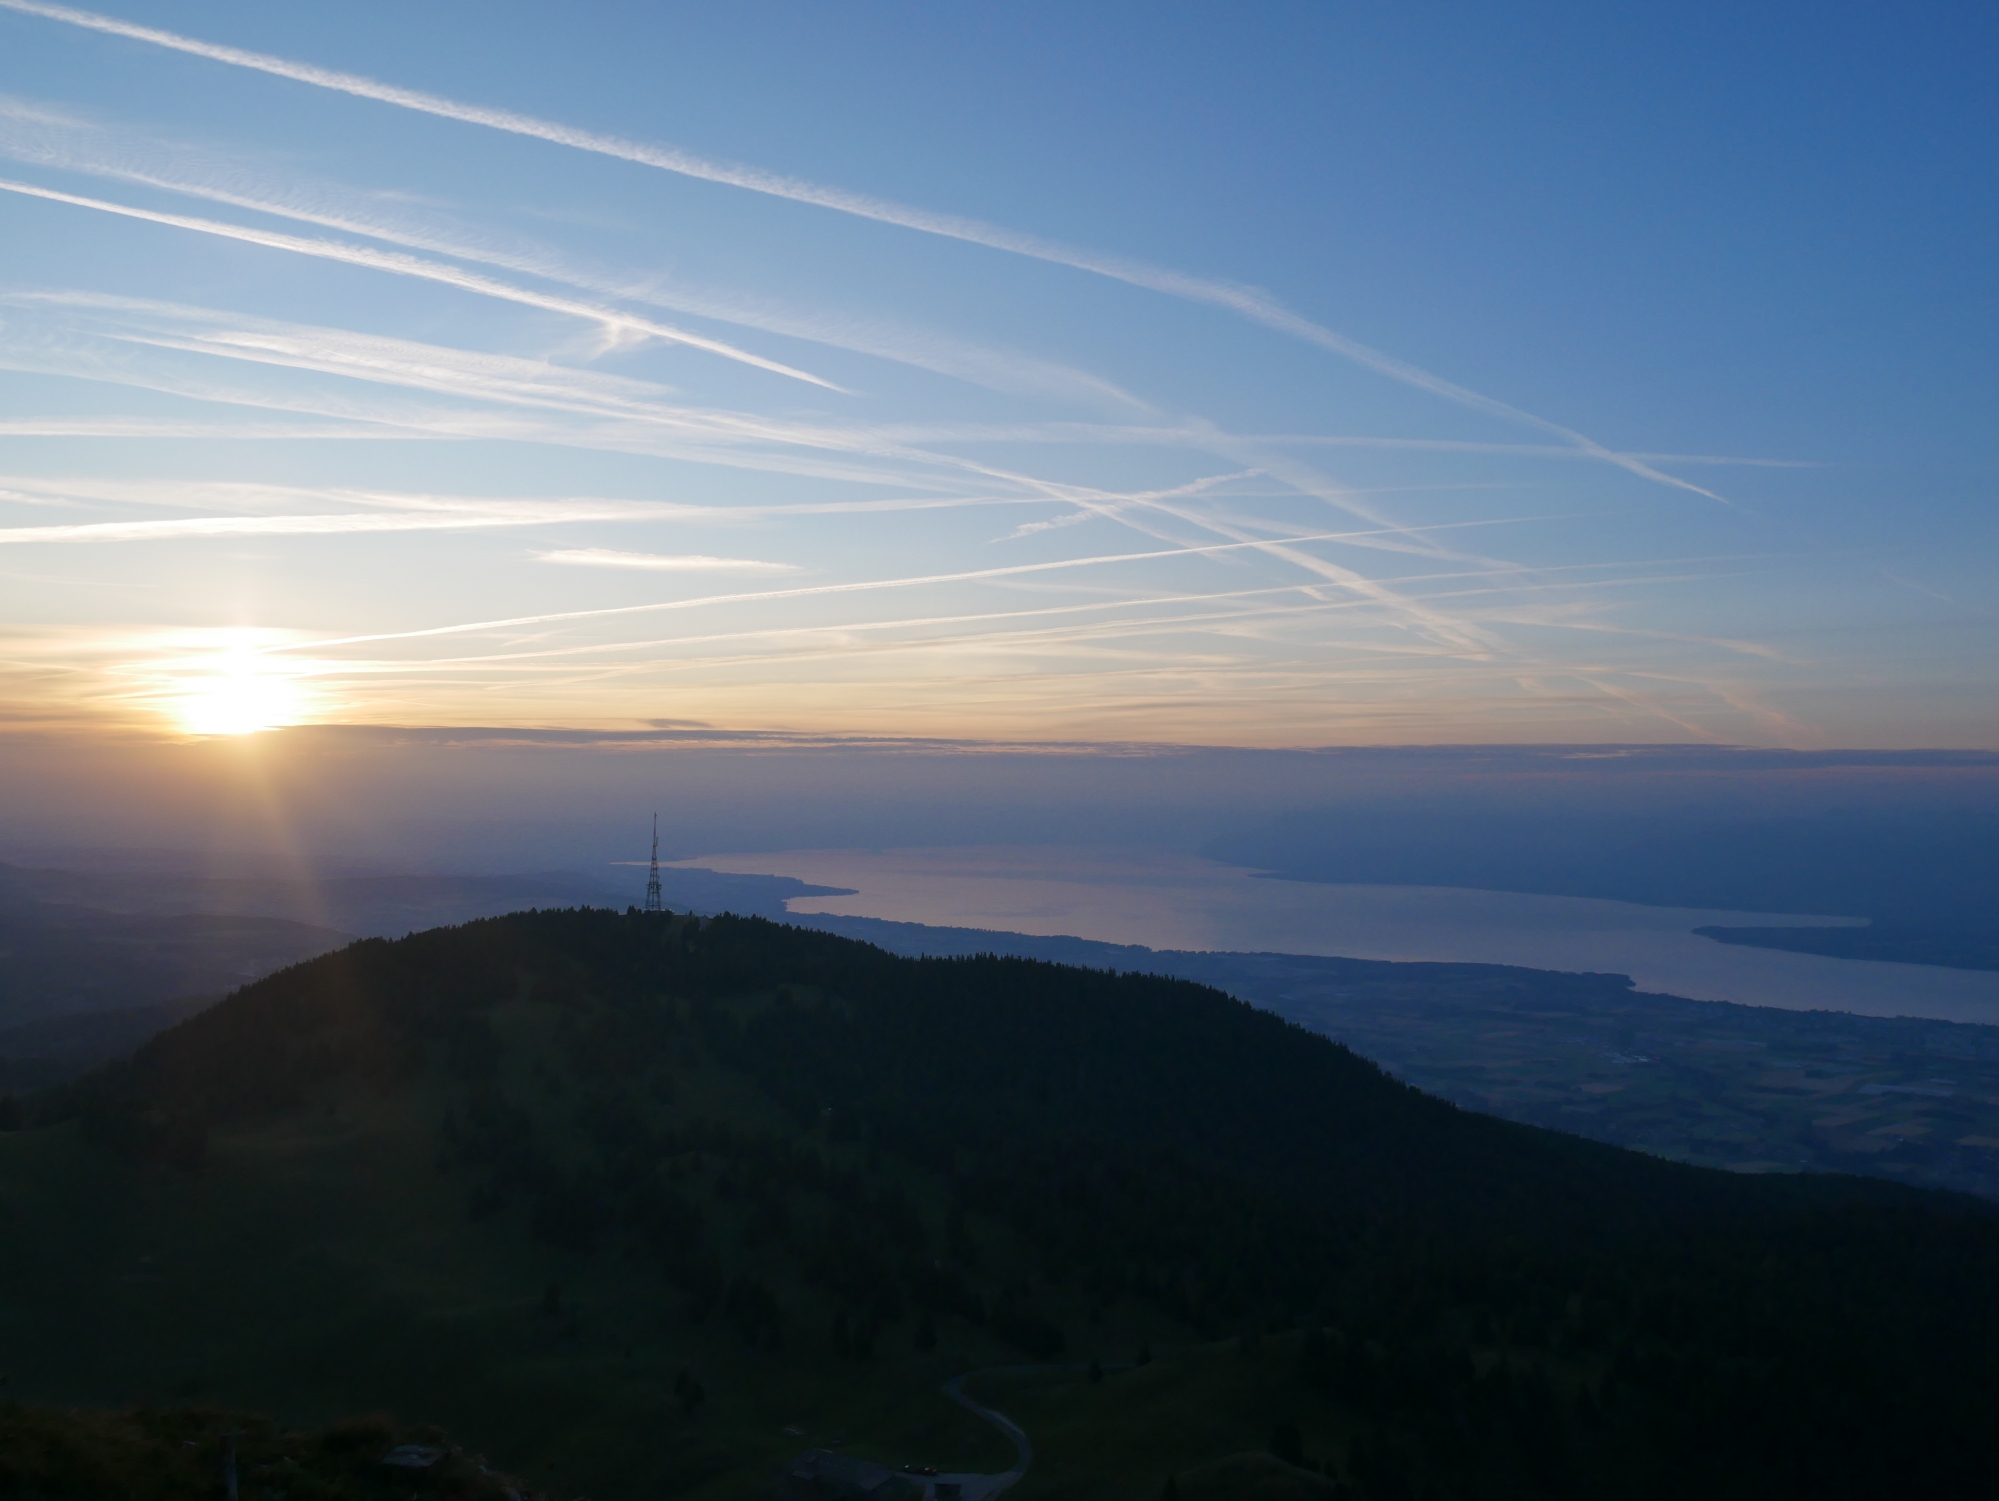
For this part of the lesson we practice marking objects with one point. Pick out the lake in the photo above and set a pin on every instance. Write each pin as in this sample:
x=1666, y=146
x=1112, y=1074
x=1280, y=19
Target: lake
x=1173, y=901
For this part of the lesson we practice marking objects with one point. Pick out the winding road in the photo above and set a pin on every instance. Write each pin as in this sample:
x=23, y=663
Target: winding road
x=975, y=1487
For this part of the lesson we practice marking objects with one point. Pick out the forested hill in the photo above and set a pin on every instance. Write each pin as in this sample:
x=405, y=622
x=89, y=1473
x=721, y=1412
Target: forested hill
x=1485, y=1305
x=945, y=1061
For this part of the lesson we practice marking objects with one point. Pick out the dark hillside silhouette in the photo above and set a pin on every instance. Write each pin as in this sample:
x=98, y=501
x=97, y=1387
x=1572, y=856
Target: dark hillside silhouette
x=1487, y=1304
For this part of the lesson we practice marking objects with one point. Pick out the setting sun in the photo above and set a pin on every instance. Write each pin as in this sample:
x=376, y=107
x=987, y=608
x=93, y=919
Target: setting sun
x=239, y=693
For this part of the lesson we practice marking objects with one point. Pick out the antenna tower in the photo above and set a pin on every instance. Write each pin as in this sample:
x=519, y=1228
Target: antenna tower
x=652, y=881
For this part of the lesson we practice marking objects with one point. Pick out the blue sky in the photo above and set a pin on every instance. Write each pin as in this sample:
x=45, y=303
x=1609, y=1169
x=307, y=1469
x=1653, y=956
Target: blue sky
x=1364, y=379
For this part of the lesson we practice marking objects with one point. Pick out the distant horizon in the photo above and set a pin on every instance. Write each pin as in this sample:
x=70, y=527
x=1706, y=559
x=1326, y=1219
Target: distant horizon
x=539, y=799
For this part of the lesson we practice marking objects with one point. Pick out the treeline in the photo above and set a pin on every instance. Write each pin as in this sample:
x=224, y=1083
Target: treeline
x=1502, y=1310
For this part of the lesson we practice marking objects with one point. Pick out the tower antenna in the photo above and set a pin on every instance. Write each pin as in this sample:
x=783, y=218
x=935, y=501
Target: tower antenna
x=652, y=882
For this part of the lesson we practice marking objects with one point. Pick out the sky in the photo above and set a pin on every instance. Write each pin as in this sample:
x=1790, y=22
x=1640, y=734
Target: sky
x=1286, y=376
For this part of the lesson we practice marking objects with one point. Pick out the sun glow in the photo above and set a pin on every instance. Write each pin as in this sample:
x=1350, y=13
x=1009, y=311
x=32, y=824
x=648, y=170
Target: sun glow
x=238, y=691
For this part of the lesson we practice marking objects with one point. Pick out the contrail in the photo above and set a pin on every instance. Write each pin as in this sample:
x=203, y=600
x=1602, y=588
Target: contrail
x=863, y=586
x=626, y=436
x=342, y=523
x=1459, y=634
x=608, y=557
x=997, y=369
x=1247, y=302
x=409, y=265
x=1535, y=450
x=159, y=427
x=1148, y=602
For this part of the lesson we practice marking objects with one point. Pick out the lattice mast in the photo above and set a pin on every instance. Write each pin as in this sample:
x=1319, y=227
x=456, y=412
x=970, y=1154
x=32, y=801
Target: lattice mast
x=652, y=882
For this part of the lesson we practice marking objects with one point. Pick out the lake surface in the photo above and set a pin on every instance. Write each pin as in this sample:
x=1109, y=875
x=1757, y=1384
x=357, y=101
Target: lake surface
x=1168, y=901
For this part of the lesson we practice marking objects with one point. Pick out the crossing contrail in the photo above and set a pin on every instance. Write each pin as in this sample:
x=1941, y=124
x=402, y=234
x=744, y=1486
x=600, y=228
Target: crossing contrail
x=859, y=587
x=1246, y=302
x=399, y=264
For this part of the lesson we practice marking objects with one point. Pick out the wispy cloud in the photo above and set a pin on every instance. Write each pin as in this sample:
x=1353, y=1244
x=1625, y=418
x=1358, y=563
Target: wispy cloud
x=1105, y=503
x=605, y=557
x=709, y=435
x=1387, y=621
x=1248, y=302
x=1194, y=433
x=1488, y=583
x=431, y=421
x=477, y=374
x=745, y=440
x=398, y=264
x=1524, y=450
x=857, y=587
x=432, y=517
x=209, y=527
x=1269, y=662
x=751, y=440
x=32, y=134
x=599, y=410
x=1896, y=578
x=163, y=427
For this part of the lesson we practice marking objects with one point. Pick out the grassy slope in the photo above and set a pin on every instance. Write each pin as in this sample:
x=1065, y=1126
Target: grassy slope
x=323, y=1262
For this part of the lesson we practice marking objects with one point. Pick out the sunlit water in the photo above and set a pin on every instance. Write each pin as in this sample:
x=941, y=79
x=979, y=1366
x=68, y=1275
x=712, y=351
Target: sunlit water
x=1179, y=902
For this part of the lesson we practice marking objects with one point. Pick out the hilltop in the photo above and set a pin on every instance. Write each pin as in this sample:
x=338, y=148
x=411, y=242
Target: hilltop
x=641, y=1204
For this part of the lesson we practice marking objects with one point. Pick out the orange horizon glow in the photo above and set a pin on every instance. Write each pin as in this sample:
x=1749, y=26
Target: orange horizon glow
x=233, y=687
